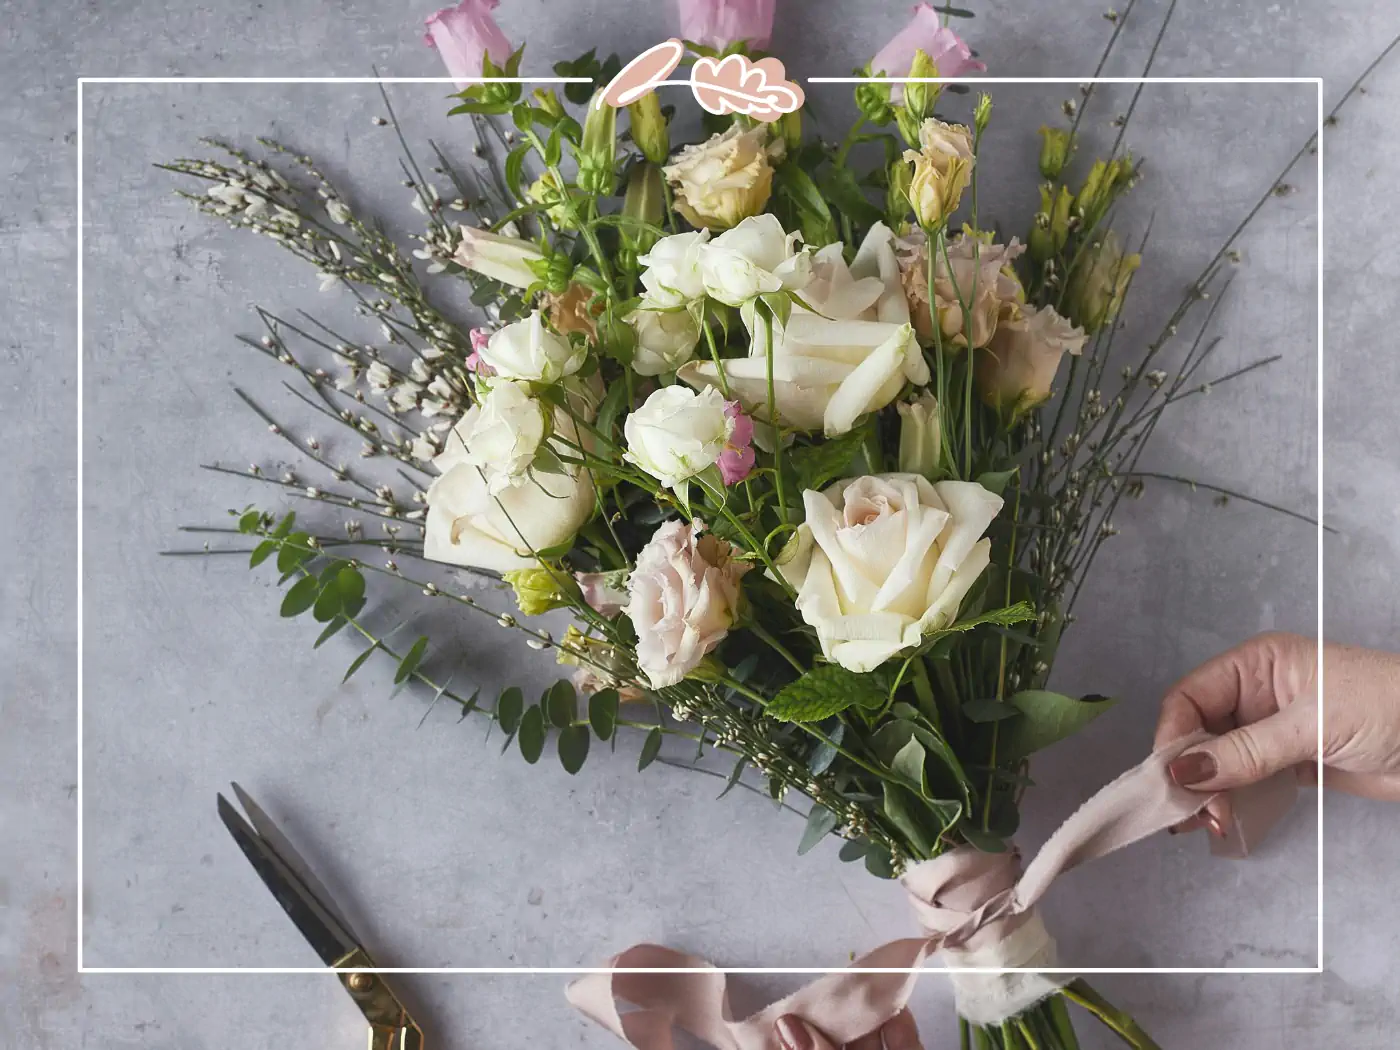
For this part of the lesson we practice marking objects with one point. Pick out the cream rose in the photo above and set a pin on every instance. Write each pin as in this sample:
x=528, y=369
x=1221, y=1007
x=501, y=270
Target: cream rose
x=757, y=257
x=470, y=524
x=501, y=435
x=724, y=179
x=977, y=273
x=665, y=340
x=1017, y=369
x=676, y=433
x=672, y=275
x=683, y=598
x=883, y=560
x=530, y=351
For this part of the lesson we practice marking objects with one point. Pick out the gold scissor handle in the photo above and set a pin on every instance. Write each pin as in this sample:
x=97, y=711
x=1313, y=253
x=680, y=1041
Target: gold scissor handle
x=390, y=1026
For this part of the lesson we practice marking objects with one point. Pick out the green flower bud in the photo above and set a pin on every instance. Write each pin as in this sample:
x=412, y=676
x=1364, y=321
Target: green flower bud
x=901, y=174
x=546, y=191
x=643, y=201
x=982, y=115
x=649, y=129
x=920, y=436
x=598, y=148
x=919, y=99
x=539, y=590
x=1050, y=230
x=1099, y=282
x=873, y=101
x=1105, y=183
x=790, y=126
x=547, y=100
x=1054, y=151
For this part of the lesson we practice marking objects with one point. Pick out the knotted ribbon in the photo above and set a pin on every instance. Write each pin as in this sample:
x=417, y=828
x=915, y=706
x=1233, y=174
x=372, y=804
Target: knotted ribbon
x=978, y=909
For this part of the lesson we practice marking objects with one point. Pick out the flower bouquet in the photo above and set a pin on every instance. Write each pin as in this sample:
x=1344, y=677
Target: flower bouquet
x=770, y=417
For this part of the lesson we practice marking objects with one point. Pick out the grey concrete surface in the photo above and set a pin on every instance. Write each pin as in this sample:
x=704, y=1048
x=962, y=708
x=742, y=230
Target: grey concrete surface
x=450, y=855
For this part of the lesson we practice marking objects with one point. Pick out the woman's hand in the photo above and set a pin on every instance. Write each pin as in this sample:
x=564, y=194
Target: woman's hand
x=1261, y=701
x=898, y=1033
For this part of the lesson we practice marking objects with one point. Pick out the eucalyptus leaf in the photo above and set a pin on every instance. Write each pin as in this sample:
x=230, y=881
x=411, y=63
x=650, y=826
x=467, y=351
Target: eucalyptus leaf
x=359, y=662
x=332, y=629
x=300, y=597
x=733, y=778
x=651, y=747
x=532, y=734
x=602, y=712
x=411, y=660
x=854, y=849
x=821, y=822
x=561, y=703
x=510, y=706
x=1046, y=718
x=824, y=753
x=573, y=748
x=902, y=807
x=879, y=862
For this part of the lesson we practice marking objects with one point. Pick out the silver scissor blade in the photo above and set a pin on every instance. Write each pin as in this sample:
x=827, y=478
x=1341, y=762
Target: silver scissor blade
x=306, y=907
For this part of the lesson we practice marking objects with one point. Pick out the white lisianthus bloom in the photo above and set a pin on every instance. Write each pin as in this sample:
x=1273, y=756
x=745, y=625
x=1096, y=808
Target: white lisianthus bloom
x=1016, y=371
x=724, y=179
x=757, y=257
x=501, y=435
x=672, y=275
x=665, y=339
x=530, y=351
x=677, y=433
x=504, y=259
x=683, y=598
x=884, y=560
x=851, y=357
x=469, y=524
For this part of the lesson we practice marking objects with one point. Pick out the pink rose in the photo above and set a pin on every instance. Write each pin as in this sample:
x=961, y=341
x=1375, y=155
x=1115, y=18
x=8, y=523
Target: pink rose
x=684, y=596
x=924, y=32
x=463, y=35
x=737, y=459
x=719, y=23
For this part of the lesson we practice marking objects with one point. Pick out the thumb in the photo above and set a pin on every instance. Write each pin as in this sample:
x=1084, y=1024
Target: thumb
x=1250, y=753
x=796, y=1034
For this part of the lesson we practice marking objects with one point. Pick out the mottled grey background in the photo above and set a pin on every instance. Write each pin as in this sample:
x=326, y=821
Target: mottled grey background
x=450, y=855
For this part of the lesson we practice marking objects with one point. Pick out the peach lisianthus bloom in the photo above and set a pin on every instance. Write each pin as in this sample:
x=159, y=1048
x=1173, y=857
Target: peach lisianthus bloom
x=719, y=23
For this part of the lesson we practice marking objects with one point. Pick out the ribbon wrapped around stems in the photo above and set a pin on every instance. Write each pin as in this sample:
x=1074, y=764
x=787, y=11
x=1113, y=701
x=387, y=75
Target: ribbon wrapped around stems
x=972, y=907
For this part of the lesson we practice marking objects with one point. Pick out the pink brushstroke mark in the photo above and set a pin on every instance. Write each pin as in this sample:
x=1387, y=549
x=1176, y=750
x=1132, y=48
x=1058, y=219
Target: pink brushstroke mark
x=737, y=460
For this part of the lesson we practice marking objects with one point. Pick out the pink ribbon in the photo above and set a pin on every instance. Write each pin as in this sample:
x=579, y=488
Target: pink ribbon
x=963, y=899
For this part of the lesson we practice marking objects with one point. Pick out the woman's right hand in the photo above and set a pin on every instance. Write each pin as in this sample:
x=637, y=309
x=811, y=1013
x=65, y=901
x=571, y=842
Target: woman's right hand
x=1261, y=701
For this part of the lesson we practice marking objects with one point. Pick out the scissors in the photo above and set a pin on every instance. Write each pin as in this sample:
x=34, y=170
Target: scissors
x=308, y=905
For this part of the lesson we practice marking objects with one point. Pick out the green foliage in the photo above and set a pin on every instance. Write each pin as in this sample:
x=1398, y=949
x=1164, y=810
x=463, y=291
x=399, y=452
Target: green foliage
x=823, y=692
x=560, y=702
x=651, y=747
x=510, y=707
x=573, y=748
x=821, y=822
x=411, y=660
x=532, y=733
x=1047, y=717
x=602, y=712
x=818, y=464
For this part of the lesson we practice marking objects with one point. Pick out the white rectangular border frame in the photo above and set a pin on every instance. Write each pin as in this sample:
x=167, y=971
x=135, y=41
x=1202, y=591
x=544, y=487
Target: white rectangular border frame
x=581, y=970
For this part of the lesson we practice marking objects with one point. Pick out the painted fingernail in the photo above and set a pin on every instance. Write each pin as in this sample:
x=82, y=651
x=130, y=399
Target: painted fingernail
x=1173, y=830
x=1217, y=827
x=1192, y=768
x=793, y=1034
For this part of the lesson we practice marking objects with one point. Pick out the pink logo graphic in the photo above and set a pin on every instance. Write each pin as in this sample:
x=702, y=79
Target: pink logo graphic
x=732, y=84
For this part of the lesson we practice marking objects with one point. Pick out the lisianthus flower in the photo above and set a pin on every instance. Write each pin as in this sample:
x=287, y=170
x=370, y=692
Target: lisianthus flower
x=479, y=337
x=465, y=34
x=737, y=459
x=719, y=23
x=925, y=32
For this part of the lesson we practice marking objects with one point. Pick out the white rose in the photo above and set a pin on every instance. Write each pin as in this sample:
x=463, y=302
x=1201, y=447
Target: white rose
x=501, y=435
x=683, y=598
x=468, y=524
x=883, y=560
x=851, y=357
x=530, y=351
x=665, y=340
x=920, y=436
x=755, y=258
x=672, y=274
x=677, y=433
x=723, y=179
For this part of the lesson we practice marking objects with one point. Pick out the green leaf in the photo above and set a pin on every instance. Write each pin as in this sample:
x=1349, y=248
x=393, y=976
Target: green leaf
x=532, y=734
x=561, y=703
x=510, y=705
x=359, y=662
x=988, y=710
x=908, y=765
x=818, y=464
x=825, y=753
x=1018, y=613
x=261, y=553
x=285, y=525
x=331, y=630
x=823, y=692
x=813, y=214
x=983, y=840
x=515, y=168
x=573, y=748
x=249, y=521
x=995, y=480
x=411, y=660
x=853, y=849
x=1046, y=718
x=902, y=808
x=651, y=747
x=821, y=822
x=327, y=605
x=602, y=712
x=879, y=862
x=733, y=778
x=840, y=187
x=294, y=551
x=300, y=597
